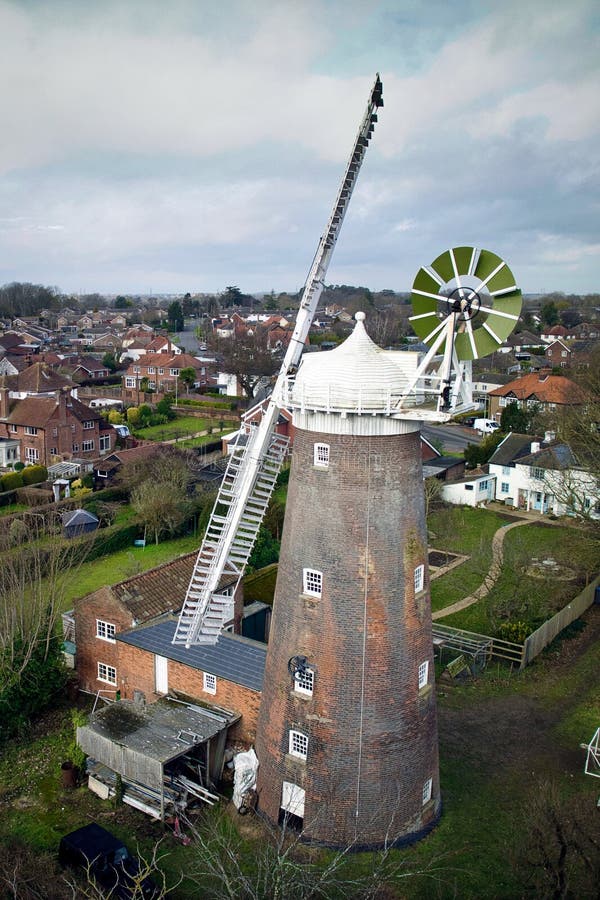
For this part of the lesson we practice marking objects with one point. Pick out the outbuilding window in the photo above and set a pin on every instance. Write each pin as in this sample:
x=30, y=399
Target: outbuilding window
x=423, y=674
x=209, y=683
x=106, y=673
x=105, y=630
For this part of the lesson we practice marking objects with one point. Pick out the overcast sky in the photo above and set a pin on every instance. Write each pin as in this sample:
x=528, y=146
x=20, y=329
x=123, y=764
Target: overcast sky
x=189, y=145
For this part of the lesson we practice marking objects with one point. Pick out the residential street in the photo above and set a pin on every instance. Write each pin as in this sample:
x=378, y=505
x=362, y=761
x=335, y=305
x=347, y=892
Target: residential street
x=454, y=437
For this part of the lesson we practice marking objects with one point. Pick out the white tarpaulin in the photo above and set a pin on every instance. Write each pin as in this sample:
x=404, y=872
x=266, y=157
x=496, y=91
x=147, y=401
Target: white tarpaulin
x=244, y=779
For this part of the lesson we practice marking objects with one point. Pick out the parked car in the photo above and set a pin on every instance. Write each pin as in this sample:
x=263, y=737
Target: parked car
x=107, y=860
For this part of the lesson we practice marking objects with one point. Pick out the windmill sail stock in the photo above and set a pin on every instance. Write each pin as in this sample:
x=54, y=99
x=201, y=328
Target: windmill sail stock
x=254, y=465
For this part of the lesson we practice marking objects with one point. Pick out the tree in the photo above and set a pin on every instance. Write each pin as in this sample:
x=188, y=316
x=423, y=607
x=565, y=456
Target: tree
x=515, y=418
x=37, y=563
x=479, y=454
x=549, y=314
x=175, y=316
x=188, y=376
x=123, y=302
x=109, y=361
x=248, y=357
x=158, y=487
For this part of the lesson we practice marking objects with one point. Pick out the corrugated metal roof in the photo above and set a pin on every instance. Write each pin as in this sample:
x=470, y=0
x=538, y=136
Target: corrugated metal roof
x=233, y=658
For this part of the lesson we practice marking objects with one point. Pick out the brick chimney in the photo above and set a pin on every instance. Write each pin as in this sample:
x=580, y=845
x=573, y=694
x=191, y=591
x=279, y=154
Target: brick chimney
x=61, y=398
x=4, y=402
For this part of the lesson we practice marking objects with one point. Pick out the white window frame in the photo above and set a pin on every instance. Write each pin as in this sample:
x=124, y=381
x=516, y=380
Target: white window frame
x=75, y=448
x=32, y=454
x=312, y=582
x=30, y=429
x=104, y=442
x=107, y=673
x=86, y=446
x=129, y=381
x=151, y=370
x=161, y=371
x=13, y=428
x=427, y=791
x=105, y=631
x=304, y=682
x=298, y=744
x=321, y=456
x=419, y=578
x=87, y=426
x=209, y=683
x=423, y=674
x=505, y=487
x=174, y=372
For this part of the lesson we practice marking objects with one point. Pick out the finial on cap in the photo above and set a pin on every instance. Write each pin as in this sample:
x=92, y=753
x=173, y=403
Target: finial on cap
x=360, y=317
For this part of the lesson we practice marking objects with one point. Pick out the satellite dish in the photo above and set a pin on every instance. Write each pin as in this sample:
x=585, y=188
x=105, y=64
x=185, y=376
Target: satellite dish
x=474, y=287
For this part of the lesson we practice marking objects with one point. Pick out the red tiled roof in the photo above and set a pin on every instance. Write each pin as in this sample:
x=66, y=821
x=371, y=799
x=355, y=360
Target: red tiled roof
x=155, y=592
x=542, y=387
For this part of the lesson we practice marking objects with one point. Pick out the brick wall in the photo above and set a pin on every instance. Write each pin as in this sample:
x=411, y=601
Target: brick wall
x=136, y=672
x=372, y=733
x=90, y=649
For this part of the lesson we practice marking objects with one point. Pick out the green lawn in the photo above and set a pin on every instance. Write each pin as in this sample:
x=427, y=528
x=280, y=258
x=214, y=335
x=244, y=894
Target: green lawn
x=185, y=426
x=462, y=530
x=518, y=596
x=122, y=565
x=13, y=508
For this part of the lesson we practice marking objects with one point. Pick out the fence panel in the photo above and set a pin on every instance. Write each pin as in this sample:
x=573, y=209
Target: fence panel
x=545, y=634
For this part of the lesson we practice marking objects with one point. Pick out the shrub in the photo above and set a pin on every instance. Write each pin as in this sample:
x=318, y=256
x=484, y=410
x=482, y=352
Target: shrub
x=11, y=481
x=34, y=474
x=213, y=404
x=514, y=631
x=19, y=466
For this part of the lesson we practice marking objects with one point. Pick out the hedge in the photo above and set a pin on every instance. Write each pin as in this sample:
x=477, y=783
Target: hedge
x=34, y=474
x=202, y=404
x=11, y=481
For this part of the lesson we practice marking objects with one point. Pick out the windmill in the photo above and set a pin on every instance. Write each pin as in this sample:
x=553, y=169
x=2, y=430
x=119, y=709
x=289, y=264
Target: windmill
x=253, y=467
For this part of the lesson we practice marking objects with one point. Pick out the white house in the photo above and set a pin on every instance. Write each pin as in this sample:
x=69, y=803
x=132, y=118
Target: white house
x=476, y=490
x=544, y=477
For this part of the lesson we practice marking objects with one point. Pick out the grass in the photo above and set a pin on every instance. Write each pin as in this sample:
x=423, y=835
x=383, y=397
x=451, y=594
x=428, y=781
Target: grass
x=261, y=585
x=13, y=508
x=490, y=778
x=462, y=530
x=122, y=565
x=517, y=596
x=178, y=428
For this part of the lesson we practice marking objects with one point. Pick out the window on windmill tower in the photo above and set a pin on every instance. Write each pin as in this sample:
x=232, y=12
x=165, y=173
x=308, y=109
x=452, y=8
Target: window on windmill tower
x=298, y=744
x=312, y=582
x=304, y=681
x=427, y=789
x=321, y=456
x=423, y=674
x=419, y=578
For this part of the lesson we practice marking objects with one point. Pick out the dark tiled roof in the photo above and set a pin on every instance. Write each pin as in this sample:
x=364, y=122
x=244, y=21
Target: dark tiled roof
x=233, y=658
x=40, y=379
x=33, y=411
x=513, y=447
x=556, y=456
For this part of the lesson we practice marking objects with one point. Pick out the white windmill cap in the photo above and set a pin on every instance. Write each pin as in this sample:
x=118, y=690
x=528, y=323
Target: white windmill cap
x=355, y=375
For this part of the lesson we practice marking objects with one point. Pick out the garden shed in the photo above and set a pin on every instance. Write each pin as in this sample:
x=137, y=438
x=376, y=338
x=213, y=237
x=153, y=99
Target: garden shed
x=165, y=752
x=79, y=521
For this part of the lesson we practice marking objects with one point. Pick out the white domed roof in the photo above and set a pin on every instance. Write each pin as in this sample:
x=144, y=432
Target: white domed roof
x=356, y=375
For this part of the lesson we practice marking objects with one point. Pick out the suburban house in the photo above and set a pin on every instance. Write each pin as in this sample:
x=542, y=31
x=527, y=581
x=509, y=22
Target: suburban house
x=160, y=372
x=543, y=476
x=535, y=390
x=54, y=427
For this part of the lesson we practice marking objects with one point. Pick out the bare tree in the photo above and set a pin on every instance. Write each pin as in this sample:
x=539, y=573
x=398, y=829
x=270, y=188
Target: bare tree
x=248, y=357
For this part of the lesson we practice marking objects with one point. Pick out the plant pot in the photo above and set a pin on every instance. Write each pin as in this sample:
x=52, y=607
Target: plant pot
x=68, y=773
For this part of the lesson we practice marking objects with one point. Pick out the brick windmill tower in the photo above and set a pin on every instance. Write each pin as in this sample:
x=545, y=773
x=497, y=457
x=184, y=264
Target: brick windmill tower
x=347, y=736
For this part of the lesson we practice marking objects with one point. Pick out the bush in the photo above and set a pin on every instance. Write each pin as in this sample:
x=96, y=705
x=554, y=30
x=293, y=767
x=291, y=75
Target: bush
x=514, y=631
x=19, y=466
x=11, y=481
x=199, y=404
x=43, y=676
x=34, y=474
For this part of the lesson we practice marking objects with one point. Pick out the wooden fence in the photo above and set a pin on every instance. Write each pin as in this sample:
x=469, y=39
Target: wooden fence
x=481, y=646
x=545, y=634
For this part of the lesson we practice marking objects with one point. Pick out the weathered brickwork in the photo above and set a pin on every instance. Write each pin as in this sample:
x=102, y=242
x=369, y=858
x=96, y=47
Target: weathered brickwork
x=372, y=734
x=137, y=672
